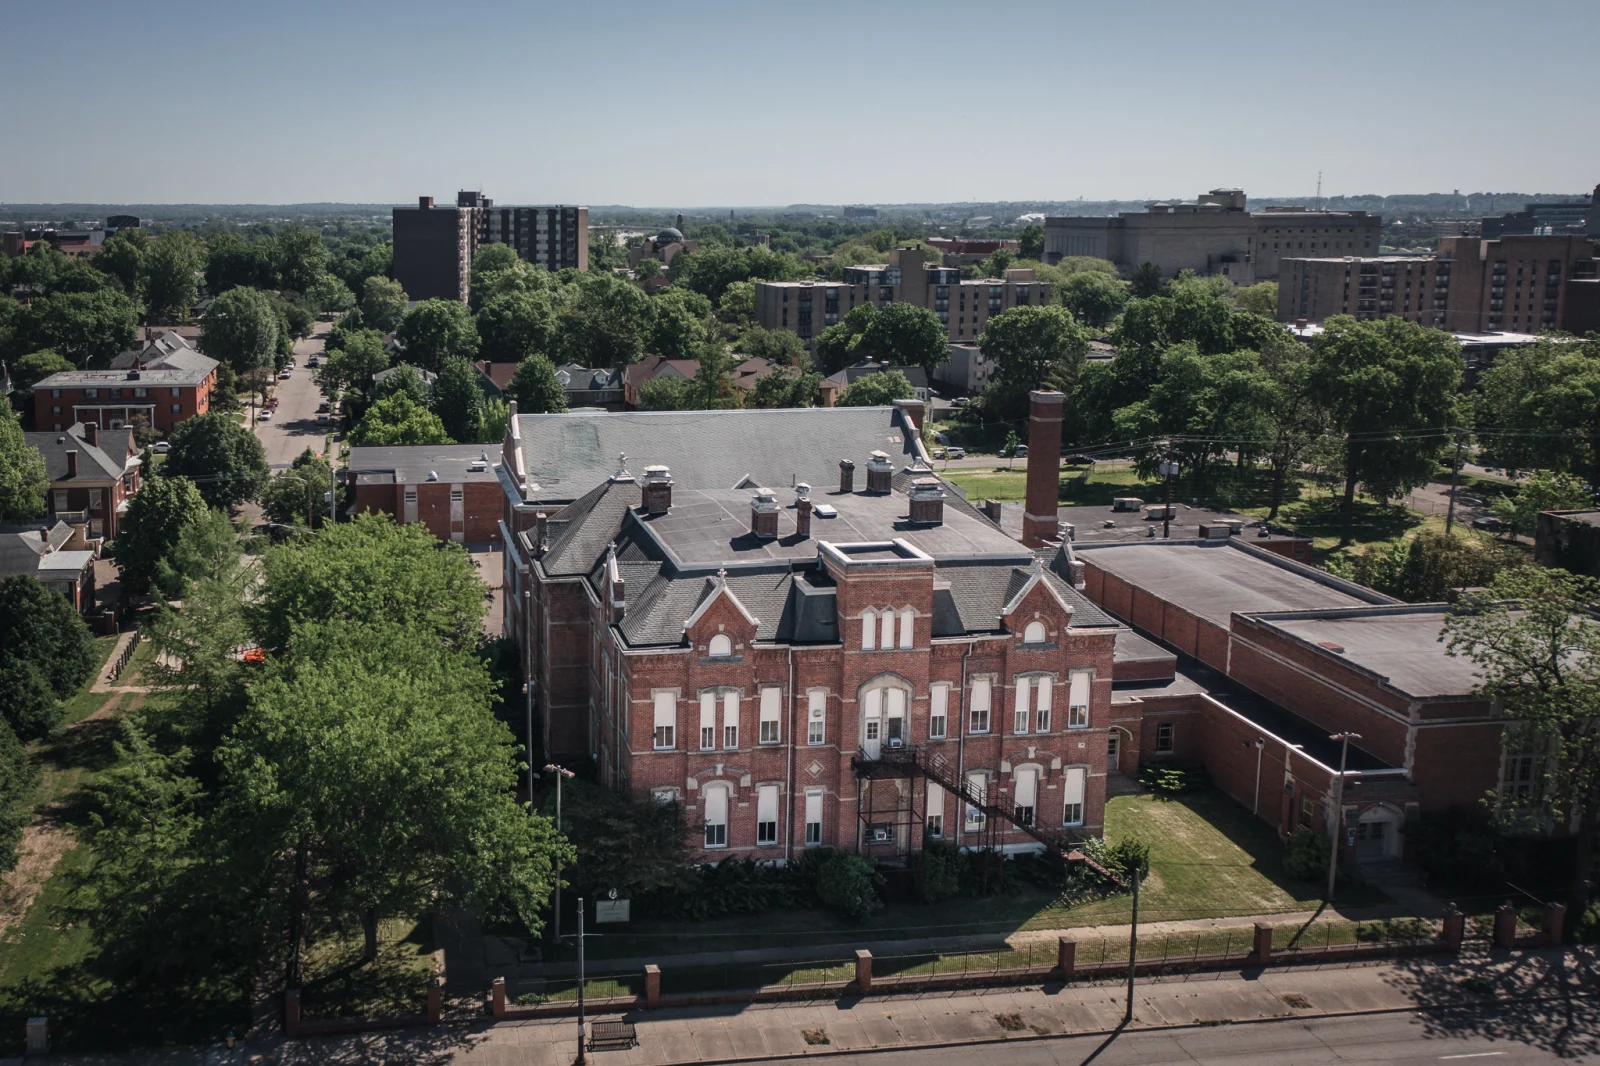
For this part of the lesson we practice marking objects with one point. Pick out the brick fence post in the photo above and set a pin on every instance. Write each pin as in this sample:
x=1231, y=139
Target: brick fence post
x=1555, y=921
x=863, y=971
x=497, y=997
x=1505, y=926
x=435, y=1000
x=652, y=986
x=291, y=1013
x=1261, y=950
x=1066, y=957
x=1454, y=930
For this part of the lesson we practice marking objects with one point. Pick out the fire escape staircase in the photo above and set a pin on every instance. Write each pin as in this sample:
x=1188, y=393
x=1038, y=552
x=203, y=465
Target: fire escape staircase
x=909, y=762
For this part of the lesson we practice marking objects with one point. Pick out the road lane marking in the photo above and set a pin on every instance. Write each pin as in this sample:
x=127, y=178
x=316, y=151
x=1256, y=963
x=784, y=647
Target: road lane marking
x=1474, y=1055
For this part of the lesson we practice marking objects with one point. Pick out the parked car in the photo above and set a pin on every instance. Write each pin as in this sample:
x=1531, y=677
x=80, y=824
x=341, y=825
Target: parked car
x=314, y=362
x=265, y=415
x=938, y=453
x=1022, y=451
x=1487, y=522
x=323, y=406
x=960, y=401
x=322, y=419
x=956, y=453
x=283, y=375
x=161, y=447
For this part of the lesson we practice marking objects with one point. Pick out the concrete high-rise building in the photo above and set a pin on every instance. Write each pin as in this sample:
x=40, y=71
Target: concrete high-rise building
x=434, y=246
x=1415, y=288
x=1213, y=234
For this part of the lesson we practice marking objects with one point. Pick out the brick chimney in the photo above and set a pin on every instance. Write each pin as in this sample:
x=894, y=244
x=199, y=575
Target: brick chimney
x=912, y=409
x=425, y=202
x=657, y=490
x=880, y=472
x=1046, y=409
x=802, y=510
x=91, y=433
x=541, y=529
x=764, y=514
x=847, y=476
x=927, y=502
x=72, y=462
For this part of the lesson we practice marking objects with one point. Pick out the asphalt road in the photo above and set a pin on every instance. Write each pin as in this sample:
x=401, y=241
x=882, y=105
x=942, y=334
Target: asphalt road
x=293, y=426
x=1388, y=1038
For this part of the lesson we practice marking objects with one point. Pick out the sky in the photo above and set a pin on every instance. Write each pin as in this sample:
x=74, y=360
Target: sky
x=806, y=101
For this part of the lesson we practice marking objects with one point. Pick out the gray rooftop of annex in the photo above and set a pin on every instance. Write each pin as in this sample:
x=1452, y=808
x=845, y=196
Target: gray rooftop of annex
x=1401, y=644
x=411, y=464
x=1216, y=579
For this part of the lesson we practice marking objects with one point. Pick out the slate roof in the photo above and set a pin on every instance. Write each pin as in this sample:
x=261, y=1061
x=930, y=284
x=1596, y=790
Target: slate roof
x=587, y=526
x=33, y=551
x=850, y=374
x=94, y=464
x=575, y=378
x=567, y=455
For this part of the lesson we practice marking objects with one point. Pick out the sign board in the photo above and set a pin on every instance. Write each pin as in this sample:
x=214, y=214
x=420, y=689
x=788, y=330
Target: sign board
x=611, y=910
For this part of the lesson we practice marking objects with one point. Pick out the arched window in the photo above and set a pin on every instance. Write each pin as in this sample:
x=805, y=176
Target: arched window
x=908, y=621
x=1034, y=634
x=721, y=646
x=869, y=629
x=885, y=704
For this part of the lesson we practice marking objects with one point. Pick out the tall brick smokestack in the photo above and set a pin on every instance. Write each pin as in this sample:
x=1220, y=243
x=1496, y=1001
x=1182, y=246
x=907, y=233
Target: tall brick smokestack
x=1046, y=409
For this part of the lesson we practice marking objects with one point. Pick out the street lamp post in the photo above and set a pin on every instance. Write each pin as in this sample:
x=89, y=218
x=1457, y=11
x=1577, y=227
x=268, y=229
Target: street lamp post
x=1133, y=944
x=560, y=772
x=1169, y=470
x=1337, y=820
x=581, y=977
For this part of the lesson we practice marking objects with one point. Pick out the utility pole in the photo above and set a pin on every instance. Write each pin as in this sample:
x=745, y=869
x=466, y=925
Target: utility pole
x=1133, y=944
x=560, y=772
x=581, y=1059
x=1337, y=820
x=1169, y=470
x=1455, y=474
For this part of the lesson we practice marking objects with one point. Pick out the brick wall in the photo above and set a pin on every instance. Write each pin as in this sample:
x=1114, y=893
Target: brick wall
x=482, y=502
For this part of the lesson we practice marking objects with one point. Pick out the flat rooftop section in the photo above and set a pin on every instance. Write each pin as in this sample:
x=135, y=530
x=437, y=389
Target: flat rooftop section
x=1132, y=648
x=411, y=464
x=1591, y=517
x=1399, y=644
x=119, y=379
x=1216, y=579
x=713, y=525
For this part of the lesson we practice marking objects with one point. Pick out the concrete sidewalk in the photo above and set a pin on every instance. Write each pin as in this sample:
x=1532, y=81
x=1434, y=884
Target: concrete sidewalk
x=1552, y=991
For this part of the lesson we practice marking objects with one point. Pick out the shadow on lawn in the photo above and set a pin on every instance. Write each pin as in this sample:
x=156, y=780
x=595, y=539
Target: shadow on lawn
x=1323, y=517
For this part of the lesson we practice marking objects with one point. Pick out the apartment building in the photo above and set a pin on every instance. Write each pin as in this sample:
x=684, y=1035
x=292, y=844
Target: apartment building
x=962, y=306
x=1213, y=234
x=1415, y=288
x=1517, y=282
x=434, y=246
x=160, y=398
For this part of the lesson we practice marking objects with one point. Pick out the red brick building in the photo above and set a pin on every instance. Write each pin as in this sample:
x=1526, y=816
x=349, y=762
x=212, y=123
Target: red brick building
x=850, y=665
x=92, y=473
x=452, y=489
x=115, y=398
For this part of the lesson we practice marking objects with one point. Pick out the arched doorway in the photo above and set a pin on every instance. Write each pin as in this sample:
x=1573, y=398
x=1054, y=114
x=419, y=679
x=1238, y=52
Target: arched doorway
x=885, y=702
x=1378, y=834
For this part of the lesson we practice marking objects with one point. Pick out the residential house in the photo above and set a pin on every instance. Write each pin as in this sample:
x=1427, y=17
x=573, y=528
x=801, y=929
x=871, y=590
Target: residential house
x=92, y=472
x=591, y=387
x=59, y=556
x=833, y=385
x=159, y=398
x=651, y=367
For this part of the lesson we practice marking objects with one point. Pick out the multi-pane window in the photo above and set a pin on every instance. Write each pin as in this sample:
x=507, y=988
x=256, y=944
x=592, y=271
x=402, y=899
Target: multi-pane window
x=816, y=716
x=1079, y=684
x=886, y=641
x=938, y=711
x=771, y=702
x=730, y=719
x=978, y=706
x=767, y=814
x=813, y=818
x=1072, y=798
x=716, y=802
x=666, y=718
x=708, y=721
x=895, y=716
x=1164, y=737
x=1032, y=706
x=664, y=796
x=933, y=822
x=977, y=785
x=1024, y=795
x=1519, y=778
x=1019, y=714
x=1044, y=691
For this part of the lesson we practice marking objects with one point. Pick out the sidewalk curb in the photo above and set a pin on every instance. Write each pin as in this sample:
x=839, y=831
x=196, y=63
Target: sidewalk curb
x=1135, y=1028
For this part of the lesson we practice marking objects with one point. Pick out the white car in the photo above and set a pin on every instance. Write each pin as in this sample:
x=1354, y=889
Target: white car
x=283, y=375
x=265, y=415
x=161, y=447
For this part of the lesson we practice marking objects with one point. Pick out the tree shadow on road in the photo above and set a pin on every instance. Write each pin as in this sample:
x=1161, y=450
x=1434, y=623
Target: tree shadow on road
x=1544, y=999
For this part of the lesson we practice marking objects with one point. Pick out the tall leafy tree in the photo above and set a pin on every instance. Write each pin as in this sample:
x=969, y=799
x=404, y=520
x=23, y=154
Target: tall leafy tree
x=1092, y=297
x=786, y=387
x=299, y=258
x=360, y=355
x=877, y=390
x=329, y=295
x=1030, y=243
x=241, y=328
x=295, y=497
x=397, y=419
x=736, y=310
x=207, y=549
x=536, y=388
x=37, y=365
x=458, y=400
x=1221, y=399
x=1541, y=491
x=383, y=303
x=1538, y=406
x=235, y=262
x=86, y=327
x=834, y=348
x=1295, y=411
x=122, y=257
x=1390, y=387
x=156, y=518
x=224, y=459
x=517, y=325
x=1260, y=299
x=171, y=271
x=905, y=335
x=1148, y=281
x=1538, y=651
x=1029, y=345
x=436, y=330
x=710, y=271
x=782, y=346
x=606, y=322
x=23, y=479
x=17, y=777
x=46, y=651
x=681, y=316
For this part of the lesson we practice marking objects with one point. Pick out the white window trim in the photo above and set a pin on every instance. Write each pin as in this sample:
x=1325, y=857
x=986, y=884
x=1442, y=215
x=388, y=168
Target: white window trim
x=816, y=717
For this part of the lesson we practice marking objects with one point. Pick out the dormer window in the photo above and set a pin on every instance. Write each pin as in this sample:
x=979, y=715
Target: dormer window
x=721, y=646
x=1034, y=634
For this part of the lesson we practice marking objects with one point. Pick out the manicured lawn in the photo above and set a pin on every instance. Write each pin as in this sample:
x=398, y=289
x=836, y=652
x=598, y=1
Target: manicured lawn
x=85, y=703
x=339, y=985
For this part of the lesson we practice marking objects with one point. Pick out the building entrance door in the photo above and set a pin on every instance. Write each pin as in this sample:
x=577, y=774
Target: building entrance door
x=1372, y=840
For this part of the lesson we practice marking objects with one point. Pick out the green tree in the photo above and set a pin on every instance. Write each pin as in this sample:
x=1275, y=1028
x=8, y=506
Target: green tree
x=36, y=366
x=23, y=479
x=383, y=303
x=877, y=390
x=1538, y=652
x=998, y=263
x=397, y=419
x=299, y=258
x=41, y=633
x=1260, y=298
x=1538, y=407
x=493, y=257
x=86, y=327
x=360, y=355
x=205, y=549
x=1092, y=297
x=329, y=295
x=521, y=276
x=904, y=334
x=1008, y=450
x=781, y=346
x=635, y=846
x=709, y=272
x=648, y=268
x=1030, y=243
x=224, y=459
x=296, y=496
x=371, y=571
x=606, y=322
x=496, y=420
x=517, y=325
x=1542, y=491
x=680, y=323
x=404, y=377
x=17, y=777
x=458, y=400
x=1148, y=281
x=536, y=388
x=1426, y=568
x=156, y=517
x=241, y=328
x=1295, y=410
x=669, y=394
x=847, y=884
x=834, y=348
x=1220, y=401
x=1390, y=387
x=122, y=257
x=737, y=308
x=786, y=387
x=235, y=262
x=436, y=330
x=1028, y=345
x=713, y=381
x=172, y=266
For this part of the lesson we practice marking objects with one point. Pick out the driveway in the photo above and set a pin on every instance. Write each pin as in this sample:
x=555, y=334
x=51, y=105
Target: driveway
x=294, y=426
